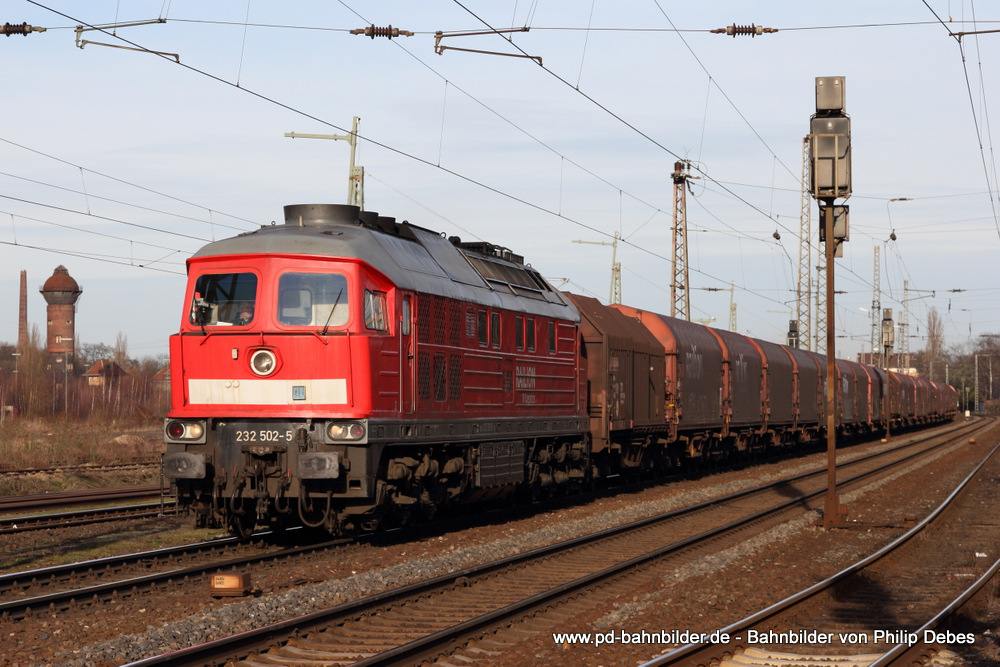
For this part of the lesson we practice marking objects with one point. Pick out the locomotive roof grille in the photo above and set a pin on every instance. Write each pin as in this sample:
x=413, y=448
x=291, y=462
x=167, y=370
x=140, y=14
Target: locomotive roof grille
x=409, y=255
x=484, y=248
x=529, y=282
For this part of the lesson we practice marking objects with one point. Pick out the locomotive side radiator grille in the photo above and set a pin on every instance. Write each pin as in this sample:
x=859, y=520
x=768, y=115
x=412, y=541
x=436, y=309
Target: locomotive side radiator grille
x=454, y=377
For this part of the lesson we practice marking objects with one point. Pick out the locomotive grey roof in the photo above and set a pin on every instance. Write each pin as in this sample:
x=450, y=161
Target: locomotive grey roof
x=410, y=256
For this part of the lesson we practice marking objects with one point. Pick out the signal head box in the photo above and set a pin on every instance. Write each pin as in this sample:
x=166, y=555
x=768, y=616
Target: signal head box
x=830, y=94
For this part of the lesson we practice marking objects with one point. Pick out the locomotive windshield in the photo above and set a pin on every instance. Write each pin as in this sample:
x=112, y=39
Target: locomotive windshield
x=224, y=299
x=313, y=299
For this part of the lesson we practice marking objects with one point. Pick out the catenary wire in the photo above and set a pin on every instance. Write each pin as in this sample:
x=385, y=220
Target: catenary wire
x=473, y=180
x=374, y=142
x=130, y=184
x=117, y=201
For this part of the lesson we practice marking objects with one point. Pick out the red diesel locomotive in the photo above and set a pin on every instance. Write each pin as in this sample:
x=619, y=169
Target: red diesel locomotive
x=342, y=369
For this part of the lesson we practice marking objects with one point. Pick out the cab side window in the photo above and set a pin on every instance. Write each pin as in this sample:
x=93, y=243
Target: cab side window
x=495, y=329
x=406, y=316
x=375, y=315
x=483, y=330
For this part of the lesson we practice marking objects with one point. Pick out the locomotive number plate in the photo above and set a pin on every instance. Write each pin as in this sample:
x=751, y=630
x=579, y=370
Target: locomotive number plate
x=262, y=435
x=244, y=433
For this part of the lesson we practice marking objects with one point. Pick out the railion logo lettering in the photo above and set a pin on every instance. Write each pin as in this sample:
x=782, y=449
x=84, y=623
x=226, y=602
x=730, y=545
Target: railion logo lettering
x=525, y=377
x=740, y=367
x=693, y=363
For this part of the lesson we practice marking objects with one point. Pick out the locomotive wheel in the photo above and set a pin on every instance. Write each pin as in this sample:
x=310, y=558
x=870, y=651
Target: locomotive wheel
x=242, y=525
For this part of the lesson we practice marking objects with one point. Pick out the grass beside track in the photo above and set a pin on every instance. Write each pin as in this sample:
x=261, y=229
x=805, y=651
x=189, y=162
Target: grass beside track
x=31, y=443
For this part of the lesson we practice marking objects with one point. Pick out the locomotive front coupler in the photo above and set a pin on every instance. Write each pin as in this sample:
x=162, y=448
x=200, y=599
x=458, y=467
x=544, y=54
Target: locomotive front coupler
x=282, y=505
x=260, y=489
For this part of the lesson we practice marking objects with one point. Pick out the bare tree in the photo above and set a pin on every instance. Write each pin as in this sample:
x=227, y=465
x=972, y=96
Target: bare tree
x=88, y=354
x=935, y=341
x=35, y=391
x=120, y=354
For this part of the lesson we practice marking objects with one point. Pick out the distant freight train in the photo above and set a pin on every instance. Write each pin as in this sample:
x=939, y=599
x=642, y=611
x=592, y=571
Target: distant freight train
x=343, y=370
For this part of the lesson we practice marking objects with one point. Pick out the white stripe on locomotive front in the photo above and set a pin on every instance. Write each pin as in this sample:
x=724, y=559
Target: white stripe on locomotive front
x=267, y=392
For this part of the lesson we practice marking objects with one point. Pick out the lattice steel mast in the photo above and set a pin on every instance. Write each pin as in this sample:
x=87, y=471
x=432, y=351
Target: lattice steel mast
x=819, y=335
x=732, y=305
x=876, y=347
x=904, y=331
x=680, y=304
x=803, y=295
x=615, y=295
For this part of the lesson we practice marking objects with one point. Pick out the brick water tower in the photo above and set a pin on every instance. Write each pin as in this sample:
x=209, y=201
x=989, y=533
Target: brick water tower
x=60, y=292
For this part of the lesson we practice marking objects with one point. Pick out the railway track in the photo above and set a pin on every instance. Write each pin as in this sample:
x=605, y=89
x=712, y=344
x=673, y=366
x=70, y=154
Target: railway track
x=895, y=604
x=131, y=584
x=24, y=523
x=33, y=581
x=86, y=573
x=76, y=498
x=81, y=468
x=547, y=585
x=15, y=521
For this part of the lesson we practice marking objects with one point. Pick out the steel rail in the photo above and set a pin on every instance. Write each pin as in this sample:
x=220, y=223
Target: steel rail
x=20, y=524
x=237, y=647
x=70, y=498
x=905, y=654
x=64, y=572
x=80, y=467
x=55, y=573
x=703, y=653
x=17, y=609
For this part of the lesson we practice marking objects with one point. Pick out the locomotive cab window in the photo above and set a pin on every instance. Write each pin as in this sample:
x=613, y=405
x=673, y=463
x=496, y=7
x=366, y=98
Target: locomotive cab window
x=375, y=318
x=223, y=299
x=313, y=299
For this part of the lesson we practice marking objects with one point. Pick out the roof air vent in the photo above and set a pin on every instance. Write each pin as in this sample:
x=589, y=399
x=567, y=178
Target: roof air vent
x=315, y=215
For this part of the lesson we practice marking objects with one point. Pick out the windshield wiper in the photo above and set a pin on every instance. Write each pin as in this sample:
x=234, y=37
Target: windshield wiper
x=336, y=302
x=200, y=310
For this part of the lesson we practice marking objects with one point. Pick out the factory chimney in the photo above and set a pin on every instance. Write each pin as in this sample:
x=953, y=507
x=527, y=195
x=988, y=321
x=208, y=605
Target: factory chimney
x=22, y=315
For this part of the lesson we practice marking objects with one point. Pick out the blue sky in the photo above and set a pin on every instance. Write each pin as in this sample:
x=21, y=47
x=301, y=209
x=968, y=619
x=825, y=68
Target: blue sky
x=120, y=164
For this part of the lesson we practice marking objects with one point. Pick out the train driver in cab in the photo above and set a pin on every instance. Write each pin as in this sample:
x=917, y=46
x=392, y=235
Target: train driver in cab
x=244, y=313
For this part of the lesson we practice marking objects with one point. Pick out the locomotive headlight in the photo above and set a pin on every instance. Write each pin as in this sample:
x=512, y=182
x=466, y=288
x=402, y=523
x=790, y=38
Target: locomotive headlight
x=263, y=362
x=347, y=432
x=184, y=431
